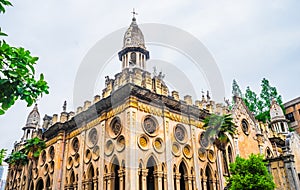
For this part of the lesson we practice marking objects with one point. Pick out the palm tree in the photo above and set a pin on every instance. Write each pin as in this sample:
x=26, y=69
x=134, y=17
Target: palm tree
x=2, y=155
x=33, y=147
x=216, y=128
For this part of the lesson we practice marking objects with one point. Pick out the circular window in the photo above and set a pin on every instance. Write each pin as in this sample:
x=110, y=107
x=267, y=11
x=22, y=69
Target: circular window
x=120, y=143
x=143, y=142
x=204, y=140
x=51, y=168
x=96, y=153
x=88, y=156
x=75, y=145
x=176, y=149
x=187, y=151
x=109, y=148
x=51, y=153
x=245, y=127
x=93, y=137
x=180, y=133
x=76, y=160
x=69, y=163
x=202, y=154
x=158, y=145
x=211, y=156
x=43, y=157
x=150, y=125
x=115, y=127
x=46, y=169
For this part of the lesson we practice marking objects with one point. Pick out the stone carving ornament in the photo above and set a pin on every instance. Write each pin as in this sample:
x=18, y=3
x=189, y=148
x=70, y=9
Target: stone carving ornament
x=75, y=145
x=93, y=136
x=116, y=127
x=150, y=125
x=180, y=133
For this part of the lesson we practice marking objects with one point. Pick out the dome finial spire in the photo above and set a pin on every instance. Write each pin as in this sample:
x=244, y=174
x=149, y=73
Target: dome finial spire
x=133, y=14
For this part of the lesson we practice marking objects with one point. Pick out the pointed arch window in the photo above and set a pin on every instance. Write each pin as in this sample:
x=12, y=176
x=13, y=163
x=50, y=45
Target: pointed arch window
x=152, y=168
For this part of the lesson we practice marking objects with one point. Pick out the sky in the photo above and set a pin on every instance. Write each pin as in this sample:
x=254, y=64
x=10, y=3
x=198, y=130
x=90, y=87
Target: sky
x=249, y=40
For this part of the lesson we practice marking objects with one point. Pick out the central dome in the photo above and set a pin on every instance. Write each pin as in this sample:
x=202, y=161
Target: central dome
x=133, y=36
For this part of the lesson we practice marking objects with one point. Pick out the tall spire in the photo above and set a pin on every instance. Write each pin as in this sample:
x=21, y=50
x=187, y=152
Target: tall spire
x=133, y=53
x=32, y=123
x=133, y=15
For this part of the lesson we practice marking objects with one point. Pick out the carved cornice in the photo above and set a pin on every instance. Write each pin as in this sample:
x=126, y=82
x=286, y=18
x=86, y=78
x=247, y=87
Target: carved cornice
x=134, y=96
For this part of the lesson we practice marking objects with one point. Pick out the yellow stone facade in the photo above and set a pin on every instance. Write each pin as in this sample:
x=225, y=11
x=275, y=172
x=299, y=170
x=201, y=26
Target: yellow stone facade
x=138, y=137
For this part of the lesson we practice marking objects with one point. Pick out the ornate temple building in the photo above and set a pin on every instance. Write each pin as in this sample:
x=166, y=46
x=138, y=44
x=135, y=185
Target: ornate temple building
x=139, y=136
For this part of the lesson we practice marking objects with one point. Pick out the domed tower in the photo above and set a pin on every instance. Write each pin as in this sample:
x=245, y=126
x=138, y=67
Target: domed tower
x=278, y=120
x=32, y=123
x=133, y=53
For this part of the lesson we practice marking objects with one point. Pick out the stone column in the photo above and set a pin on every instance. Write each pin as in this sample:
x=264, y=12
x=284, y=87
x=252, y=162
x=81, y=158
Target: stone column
x=95, y=181
x=194, y=182
x=158, y=178
x=204, y=184
x=104, y=182
x=144, y=173
x=190, y=182
x=112, y=180
x=214, y=184
x=109, y=182
x=165, y=182
x=177, y=183
x=121, y=174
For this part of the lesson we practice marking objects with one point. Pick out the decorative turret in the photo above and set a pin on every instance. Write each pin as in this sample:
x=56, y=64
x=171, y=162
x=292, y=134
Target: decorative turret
x=133, y=53
x=278, y=120
x=32, y=124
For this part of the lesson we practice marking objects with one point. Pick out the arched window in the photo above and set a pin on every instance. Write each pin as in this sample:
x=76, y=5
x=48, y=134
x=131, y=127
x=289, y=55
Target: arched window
x=183, y=174
x=48, y=183
x=40, y=184
x=224, y=161
x=115, y=170
x=209, y=179
x=140, y=176
x=72, y=180
x=90, y=175
x=152, y=167
x=174, y=171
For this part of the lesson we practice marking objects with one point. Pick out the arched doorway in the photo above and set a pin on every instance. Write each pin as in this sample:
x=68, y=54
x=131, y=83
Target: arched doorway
x=40, y=185
x=151, y=166
x=209, y=179
x=183, y=173
x=115, y=170
x=91, y=174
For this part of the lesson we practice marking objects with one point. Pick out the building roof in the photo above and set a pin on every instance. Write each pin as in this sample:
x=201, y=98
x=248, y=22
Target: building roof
x=292, y=102
x=133, y=36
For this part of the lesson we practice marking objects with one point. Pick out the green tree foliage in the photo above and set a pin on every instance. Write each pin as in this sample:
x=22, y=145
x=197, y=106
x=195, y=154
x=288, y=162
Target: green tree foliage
x=250, y=174
x=236, y=91
x=18, y=158
x=34, y=146
x=17, y=73
x=216, y=128
x=260, y=104
x=2, y=155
